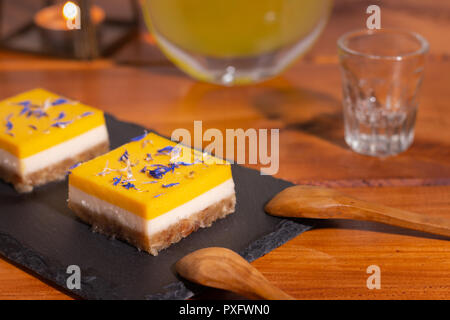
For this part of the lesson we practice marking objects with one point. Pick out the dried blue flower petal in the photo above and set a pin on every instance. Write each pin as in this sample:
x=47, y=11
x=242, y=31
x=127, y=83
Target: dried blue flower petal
x=25, y=103
x=182, y=163
x=60, y=116
x=157, y=173
x=166, y=150
x=129, y=185
x=85, y=114
x=116, y=180
x=139, y=138
x=32, y=127
x=73, y=167
x=158, y=195
x=24, y=110
x=124, y=157
x=148, y=157
x=61, y=124
x=173, y=166
x=170, y=185
x=59, y=101
x=160, y=171
x=9, y=125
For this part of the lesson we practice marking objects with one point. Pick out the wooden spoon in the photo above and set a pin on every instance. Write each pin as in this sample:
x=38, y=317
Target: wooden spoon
x=224, y=269
x=324, y=203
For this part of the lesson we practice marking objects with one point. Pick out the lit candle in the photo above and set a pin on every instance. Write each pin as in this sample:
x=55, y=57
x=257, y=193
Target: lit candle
x=65, y=17
x=59, y=26
x=71, y=13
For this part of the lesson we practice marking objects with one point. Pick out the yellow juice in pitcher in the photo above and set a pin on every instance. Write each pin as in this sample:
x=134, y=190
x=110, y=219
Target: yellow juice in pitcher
x=231, y=29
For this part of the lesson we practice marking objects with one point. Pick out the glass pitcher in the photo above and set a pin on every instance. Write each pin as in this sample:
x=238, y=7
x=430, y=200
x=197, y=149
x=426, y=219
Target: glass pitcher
x=232, y=42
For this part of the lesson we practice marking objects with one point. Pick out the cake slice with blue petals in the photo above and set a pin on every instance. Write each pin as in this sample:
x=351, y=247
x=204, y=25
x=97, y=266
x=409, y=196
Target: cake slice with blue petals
x=152, y=192
x=43, y=134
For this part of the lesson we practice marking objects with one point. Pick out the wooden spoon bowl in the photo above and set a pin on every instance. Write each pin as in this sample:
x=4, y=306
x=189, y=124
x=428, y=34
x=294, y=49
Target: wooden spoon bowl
x=224, y=269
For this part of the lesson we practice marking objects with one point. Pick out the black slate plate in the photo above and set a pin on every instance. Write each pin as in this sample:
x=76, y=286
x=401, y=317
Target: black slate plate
x=38, y=232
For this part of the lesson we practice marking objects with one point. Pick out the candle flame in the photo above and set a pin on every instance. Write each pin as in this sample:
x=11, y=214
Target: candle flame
x=70, y=10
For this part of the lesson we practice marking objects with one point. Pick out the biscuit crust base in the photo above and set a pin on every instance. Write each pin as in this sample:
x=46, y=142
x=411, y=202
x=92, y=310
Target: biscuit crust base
x=163, y=239
x=55, y=172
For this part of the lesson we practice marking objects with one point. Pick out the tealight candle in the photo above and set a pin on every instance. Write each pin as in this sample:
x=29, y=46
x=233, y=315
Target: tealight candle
x=58, y=22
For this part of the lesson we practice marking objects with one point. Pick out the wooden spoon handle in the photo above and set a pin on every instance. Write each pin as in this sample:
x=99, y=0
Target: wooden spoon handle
x=324, y=203
x=362, y=210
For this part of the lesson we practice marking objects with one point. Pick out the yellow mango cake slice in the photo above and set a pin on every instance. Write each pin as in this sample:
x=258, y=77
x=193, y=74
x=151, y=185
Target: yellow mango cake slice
x=151, y=192
x=43, y=134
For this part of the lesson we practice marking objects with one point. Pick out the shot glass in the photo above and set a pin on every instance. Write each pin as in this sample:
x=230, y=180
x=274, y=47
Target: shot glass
x=382, y=72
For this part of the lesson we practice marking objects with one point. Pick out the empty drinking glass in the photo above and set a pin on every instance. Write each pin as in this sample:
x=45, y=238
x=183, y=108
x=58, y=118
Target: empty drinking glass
x=382, y=71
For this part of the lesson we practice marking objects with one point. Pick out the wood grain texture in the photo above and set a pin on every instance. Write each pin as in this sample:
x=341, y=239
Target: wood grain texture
x=330, y=261
x=138, y=84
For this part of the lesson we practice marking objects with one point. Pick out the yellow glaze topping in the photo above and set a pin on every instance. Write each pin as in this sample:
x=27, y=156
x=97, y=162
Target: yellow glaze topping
x=36, y=120
x=150, y=176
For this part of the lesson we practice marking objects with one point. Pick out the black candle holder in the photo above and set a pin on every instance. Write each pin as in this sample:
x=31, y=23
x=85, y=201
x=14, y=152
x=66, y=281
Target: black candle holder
x=89, y=42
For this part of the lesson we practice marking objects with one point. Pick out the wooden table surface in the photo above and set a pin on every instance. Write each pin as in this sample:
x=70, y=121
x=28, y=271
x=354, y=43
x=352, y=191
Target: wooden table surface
x=138, y=84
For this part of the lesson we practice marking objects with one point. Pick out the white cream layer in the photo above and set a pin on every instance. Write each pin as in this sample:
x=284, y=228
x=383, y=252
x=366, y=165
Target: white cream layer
x=55, y=154
x=152, y=226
